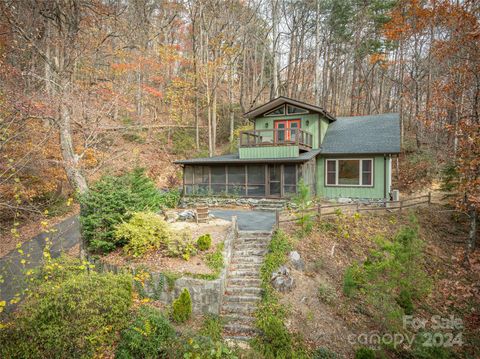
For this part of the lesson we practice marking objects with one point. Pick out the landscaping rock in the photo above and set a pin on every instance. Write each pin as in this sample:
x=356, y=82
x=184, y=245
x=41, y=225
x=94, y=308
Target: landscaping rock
x=186, y=215
x=296, y=260
x=281, y=280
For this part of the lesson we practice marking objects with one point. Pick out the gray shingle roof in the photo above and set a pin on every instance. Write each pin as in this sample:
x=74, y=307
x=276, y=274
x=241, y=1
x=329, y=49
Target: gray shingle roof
x=233, y=158
x=363, y=134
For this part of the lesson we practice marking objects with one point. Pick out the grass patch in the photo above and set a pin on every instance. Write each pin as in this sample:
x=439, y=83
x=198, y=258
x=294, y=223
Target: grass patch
x=275, y=341
x=214, y=260
x=212, y=327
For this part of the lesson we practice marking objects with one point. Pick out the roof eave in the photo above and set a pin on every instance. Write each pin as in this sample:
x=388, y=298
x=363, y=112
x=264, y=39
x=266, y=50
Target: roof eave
x=257, y=111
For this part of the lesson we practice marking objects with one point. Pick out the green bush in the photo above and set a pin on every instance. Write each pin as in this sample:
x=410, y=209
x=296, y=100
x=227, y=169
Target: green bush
x=275, y=340
x=202, y=347
x=324, y=353
x=364, y=353
x=170, y=199
x=278, y=248
x=422, y=351
x=150, y=335
x=214, y=260
x=305, y=219
x=404, y=300
x=326, y=293
x=212, y=327
x=204, y=242
x=182, y=245
x=144, y=231
x=112, y=200
x=69, y=313
x=182, y=307
x=351, y=280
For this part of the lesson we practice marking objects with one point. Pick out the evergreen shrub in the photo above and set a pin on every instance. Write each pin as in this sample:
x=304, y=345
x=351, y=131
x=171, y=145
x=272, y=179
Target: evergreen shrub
x=182, y=307
x=145, y=231
x=204, y=242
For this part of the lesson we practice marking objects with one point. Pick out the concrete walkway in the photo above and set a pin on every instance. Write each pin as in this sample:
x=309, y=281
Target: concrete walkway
x=248, y=220
x=12, y=270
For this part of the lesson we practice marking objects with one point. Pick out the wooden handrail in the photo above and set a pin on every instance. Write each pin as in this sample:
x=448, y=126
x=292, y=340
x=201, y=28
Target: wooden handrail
x=255, y=137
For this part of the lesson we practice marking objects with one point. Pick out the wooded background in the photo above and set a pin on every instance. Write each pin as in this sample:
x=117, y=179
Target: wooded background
x=77, y=73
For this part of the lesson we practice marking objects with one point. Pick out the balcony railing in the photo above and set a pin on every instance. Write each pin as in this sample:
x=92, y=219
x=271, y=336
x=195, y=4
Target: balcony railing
x=277, y=137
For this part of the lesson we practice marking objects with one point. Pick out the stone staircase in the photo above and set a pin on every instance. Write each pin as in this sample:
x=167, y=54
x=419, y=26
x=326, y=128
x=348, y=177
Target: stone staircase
x=270, y=204
x=243, y=284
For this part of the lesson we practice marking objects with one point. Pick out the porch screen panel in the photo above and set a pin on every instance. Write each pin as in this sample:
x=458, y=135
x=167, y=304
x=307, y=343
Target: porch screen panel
x=188, y=179
x=289, y=179
x=236, y=180
x=200, y=179
x=218, y=177
x=256, y=180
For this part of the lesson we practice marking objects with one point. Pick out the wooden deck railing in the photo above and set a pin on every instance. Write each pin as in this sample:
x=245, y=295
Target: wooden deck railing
x=325, y=210
x=276, y=137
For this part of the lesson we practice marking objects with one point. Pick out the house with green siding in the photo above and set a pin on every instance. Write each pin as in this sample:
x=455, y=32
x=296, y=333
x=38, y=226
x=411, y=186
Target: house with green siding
x=336, y=157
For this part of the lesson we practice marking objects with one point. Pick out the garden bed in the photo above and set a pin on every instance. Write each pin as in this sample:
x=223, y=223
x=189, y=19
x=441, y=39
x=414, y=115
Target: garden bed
x=158, y=261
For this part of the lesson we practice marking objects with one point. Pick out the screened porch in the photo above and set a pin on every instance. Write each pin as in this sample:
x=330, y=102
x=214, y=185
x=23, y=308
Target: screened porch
x=248, y=180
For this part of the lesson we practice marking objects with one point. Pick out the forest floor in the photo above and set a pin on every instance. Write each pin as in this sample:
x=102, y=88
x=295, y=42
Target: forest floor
x=328, y=252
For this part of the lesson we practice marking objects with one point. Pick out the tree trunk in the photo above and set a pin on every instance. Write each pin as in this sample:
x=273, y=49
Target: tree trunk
x=70, y=159
x=274, y=91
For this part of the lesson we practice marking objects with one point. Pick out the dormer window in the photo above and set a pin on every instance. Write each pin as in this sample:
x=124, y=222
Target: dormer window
x=286, y=110
x=293, y=110
x=279, y=111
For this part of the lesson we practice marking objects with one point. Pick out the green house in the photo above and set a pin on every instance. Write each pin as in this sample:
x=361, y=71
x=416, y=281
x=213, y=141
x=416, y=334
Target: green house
x=337, y=157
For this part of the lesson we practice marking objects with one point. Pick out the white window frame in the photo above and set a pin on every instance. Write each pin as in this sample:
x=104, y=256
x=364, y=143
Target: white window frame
x=360, y=172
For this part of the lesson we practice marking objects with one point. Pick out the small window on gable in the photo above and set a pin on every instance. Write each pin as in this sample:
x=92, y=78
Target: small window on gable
x=277, y=111
x=293, y=110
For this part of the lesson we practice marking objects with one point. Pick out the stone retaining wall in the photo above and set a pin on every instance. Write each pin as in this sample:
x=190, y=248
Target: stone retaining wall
x=192, y=201
x=207, y=295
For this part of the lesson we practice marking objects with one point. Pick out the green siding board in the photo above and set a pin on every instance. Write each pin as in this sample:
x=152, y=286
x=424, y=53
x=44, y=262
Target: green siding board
x=323, y=128
x=268, y=152
x=313, y=126
x=377, y=191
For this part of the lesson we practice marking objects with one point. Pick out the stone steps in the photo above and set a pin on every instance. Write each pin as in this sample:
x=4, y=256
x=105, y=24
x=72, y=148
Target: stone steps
x=237, y=308
x=241, y=299
x=239, y=318
x=254, y=234
x=250, y=252
x=244, y=273
x=245, y=282
x=243, y=286
x=235, y=339
x=246, y=246
x=245, y=265
x=239, y=329
x=240, y=290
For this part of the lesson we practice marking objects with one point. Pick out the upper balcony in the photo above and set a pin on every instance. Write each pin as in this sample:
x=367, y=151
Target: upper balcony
x=303, y=140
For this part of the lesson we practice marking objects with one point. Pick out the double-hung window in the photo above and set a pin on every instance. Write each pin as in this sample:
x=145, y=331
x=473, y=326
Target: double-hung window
x=349, y=172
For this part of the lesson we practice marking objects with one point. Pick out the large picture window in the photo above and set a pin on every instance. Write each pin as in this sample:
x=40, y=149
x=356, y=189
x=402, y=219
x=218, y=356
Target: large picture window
x=349, y=172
